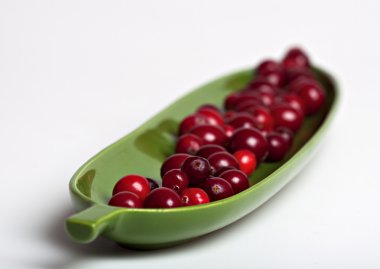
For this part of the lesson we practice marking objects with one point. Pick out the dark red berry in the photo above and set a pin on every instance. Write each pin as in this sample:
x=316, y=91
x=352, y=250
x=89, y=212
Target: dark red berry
x=133, y=183
x=223, y=169
x=277, y=147
x=197, y=169
x=228, y=129
x=262, y=117
x=298, y=73
x=174, y=161
x=313, y=96
x=210, y=106
x=250, y=139
x=207, y=150
x=229, y=101
x=242, y=119
x=268, y=65
x=222, y=159
x=229, y=115
x=294, y=101
x=238, y=180
x=194, y=196
x=188, y=143
x=210, y=134
x=190, y=122
x=267, y=99
x=217, y=188
x=213, y=117
x=126, y=199
x=162, y=198
x=247, y=161
x=276, y=78
x=286, y=116
x=261, y=85
x=286, y=134
x=176, y=180
x=295, y=57
x=152, y=183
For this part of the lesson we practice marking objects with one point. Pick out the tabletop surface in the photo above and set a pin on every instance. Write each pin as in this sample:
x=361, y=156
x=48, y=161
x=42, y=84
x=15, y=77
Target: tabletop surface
x=77, y=75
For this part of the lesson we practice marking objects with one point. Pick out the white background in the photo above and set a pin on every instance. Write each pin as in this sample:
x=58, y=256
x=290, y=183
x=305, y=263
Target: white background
x=77, y=75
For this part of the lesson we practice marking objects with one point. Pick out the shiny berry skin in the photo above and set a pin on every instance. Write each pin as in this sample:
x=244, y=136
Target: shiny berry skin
x=133, y=183
x=188, y=143
x=262, y=117
x=238, y=180
x=267, y=99
x=213, y=117
x=126, y=199
x=217, y=188
x=293, y=74
x=223, y=169
x=294, y=101
x=261, y=85
x=174, y=161
x=276, y=78
x=194, y=196
x=285, y=115
x=254, y=101
x=228, y=129
x=229, y=115
x=207, y=150
x=176, y=180
x=295, y=57
x=222, y=159
x=210, y=134
x=152, y=183
x=286, y=134
x=210, y=106
x=242, y=120
x=250, y=139
x=268, y=65
x=229, y=101
x=162, y=198
x=247, y=161
x=190, y=122
x=313, y=96
x=278, y=147
x=197, y=169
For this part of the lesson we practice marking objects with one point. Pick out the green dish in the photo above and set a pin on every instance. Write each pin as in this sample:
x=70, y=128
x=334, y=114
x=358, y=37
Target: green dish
x=143, y=151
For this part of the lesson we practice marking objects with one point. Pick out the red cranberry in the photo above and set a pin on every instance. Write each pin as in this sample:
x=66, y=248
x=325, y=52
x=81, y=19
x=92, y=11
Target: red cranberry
x=262, y=117
x=152, y=183
x=174, y=161
x=294, y=101
x=207, y=150
x=261, y=85
x=295, y=57
x=229, y=115
x=222, y=159
x=210, y=134
x=223, y=169
x=248, y=103
x=286, y=134
x=229, y=101
x=188, y=143
x=297, y=73
x=175, y=179
x=228, y=129
x=197, y=169
x=251, y=139
x=194, y=196
x=266, y=98
x=268, y=65
x=133, y=183
x=277, y=148
x=313, y=95
x=242, y=120
x=276, y=78
x=210, y=106
x=126, y=199
x=285, y=115
x=247, y=161
x=190, y=122
x=162, y=198
x=217, y=188
x=237, y=179
x=213, y=117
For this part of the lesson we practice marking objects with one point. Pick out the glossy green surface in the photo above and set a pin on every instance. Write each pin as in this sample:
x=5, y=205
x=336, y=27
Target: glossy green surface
x=143, y=151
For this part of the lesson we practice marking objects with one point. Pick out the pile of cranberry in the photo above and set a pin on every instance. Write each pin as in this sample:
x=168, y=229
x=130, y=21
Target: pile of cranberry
x=217, y=150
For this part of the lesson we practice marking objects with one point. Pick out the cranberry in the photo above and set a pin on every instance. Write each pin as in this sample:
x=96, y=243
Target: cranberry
x=213, y=117
x=194, y=196
x=295, y=57
x=162, y=198
x=223, y=169
x=229, y=115
x=207, y=150
x=293, y=74
x=152, y=183
x=251, y=139
x=188, y=143
x=222, y=159
x=237, y=179
x=313, y=95
x=242, y=120
x=175, y=179
x=294, y=101
x=174, y=161
x=126, y=199
x=276, y=78
x=286, y=134
x=210, y=106
x=210, y=134
x=247, y=161
x=229, y=101
x=261, y=85
x=268, y=65
x=262, y=117
x=190, y=122
x=277, y=148
x=228, y=129
x=197, y=169
x=267, y=99
x=133, y=183
x=285, y=115
x=248, y=103
x=217, y=188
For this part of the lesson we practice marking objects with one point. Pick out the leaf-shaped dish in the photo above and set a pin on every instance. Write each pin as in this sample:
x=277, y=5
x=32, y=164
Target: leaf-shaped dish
x=144, y=150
